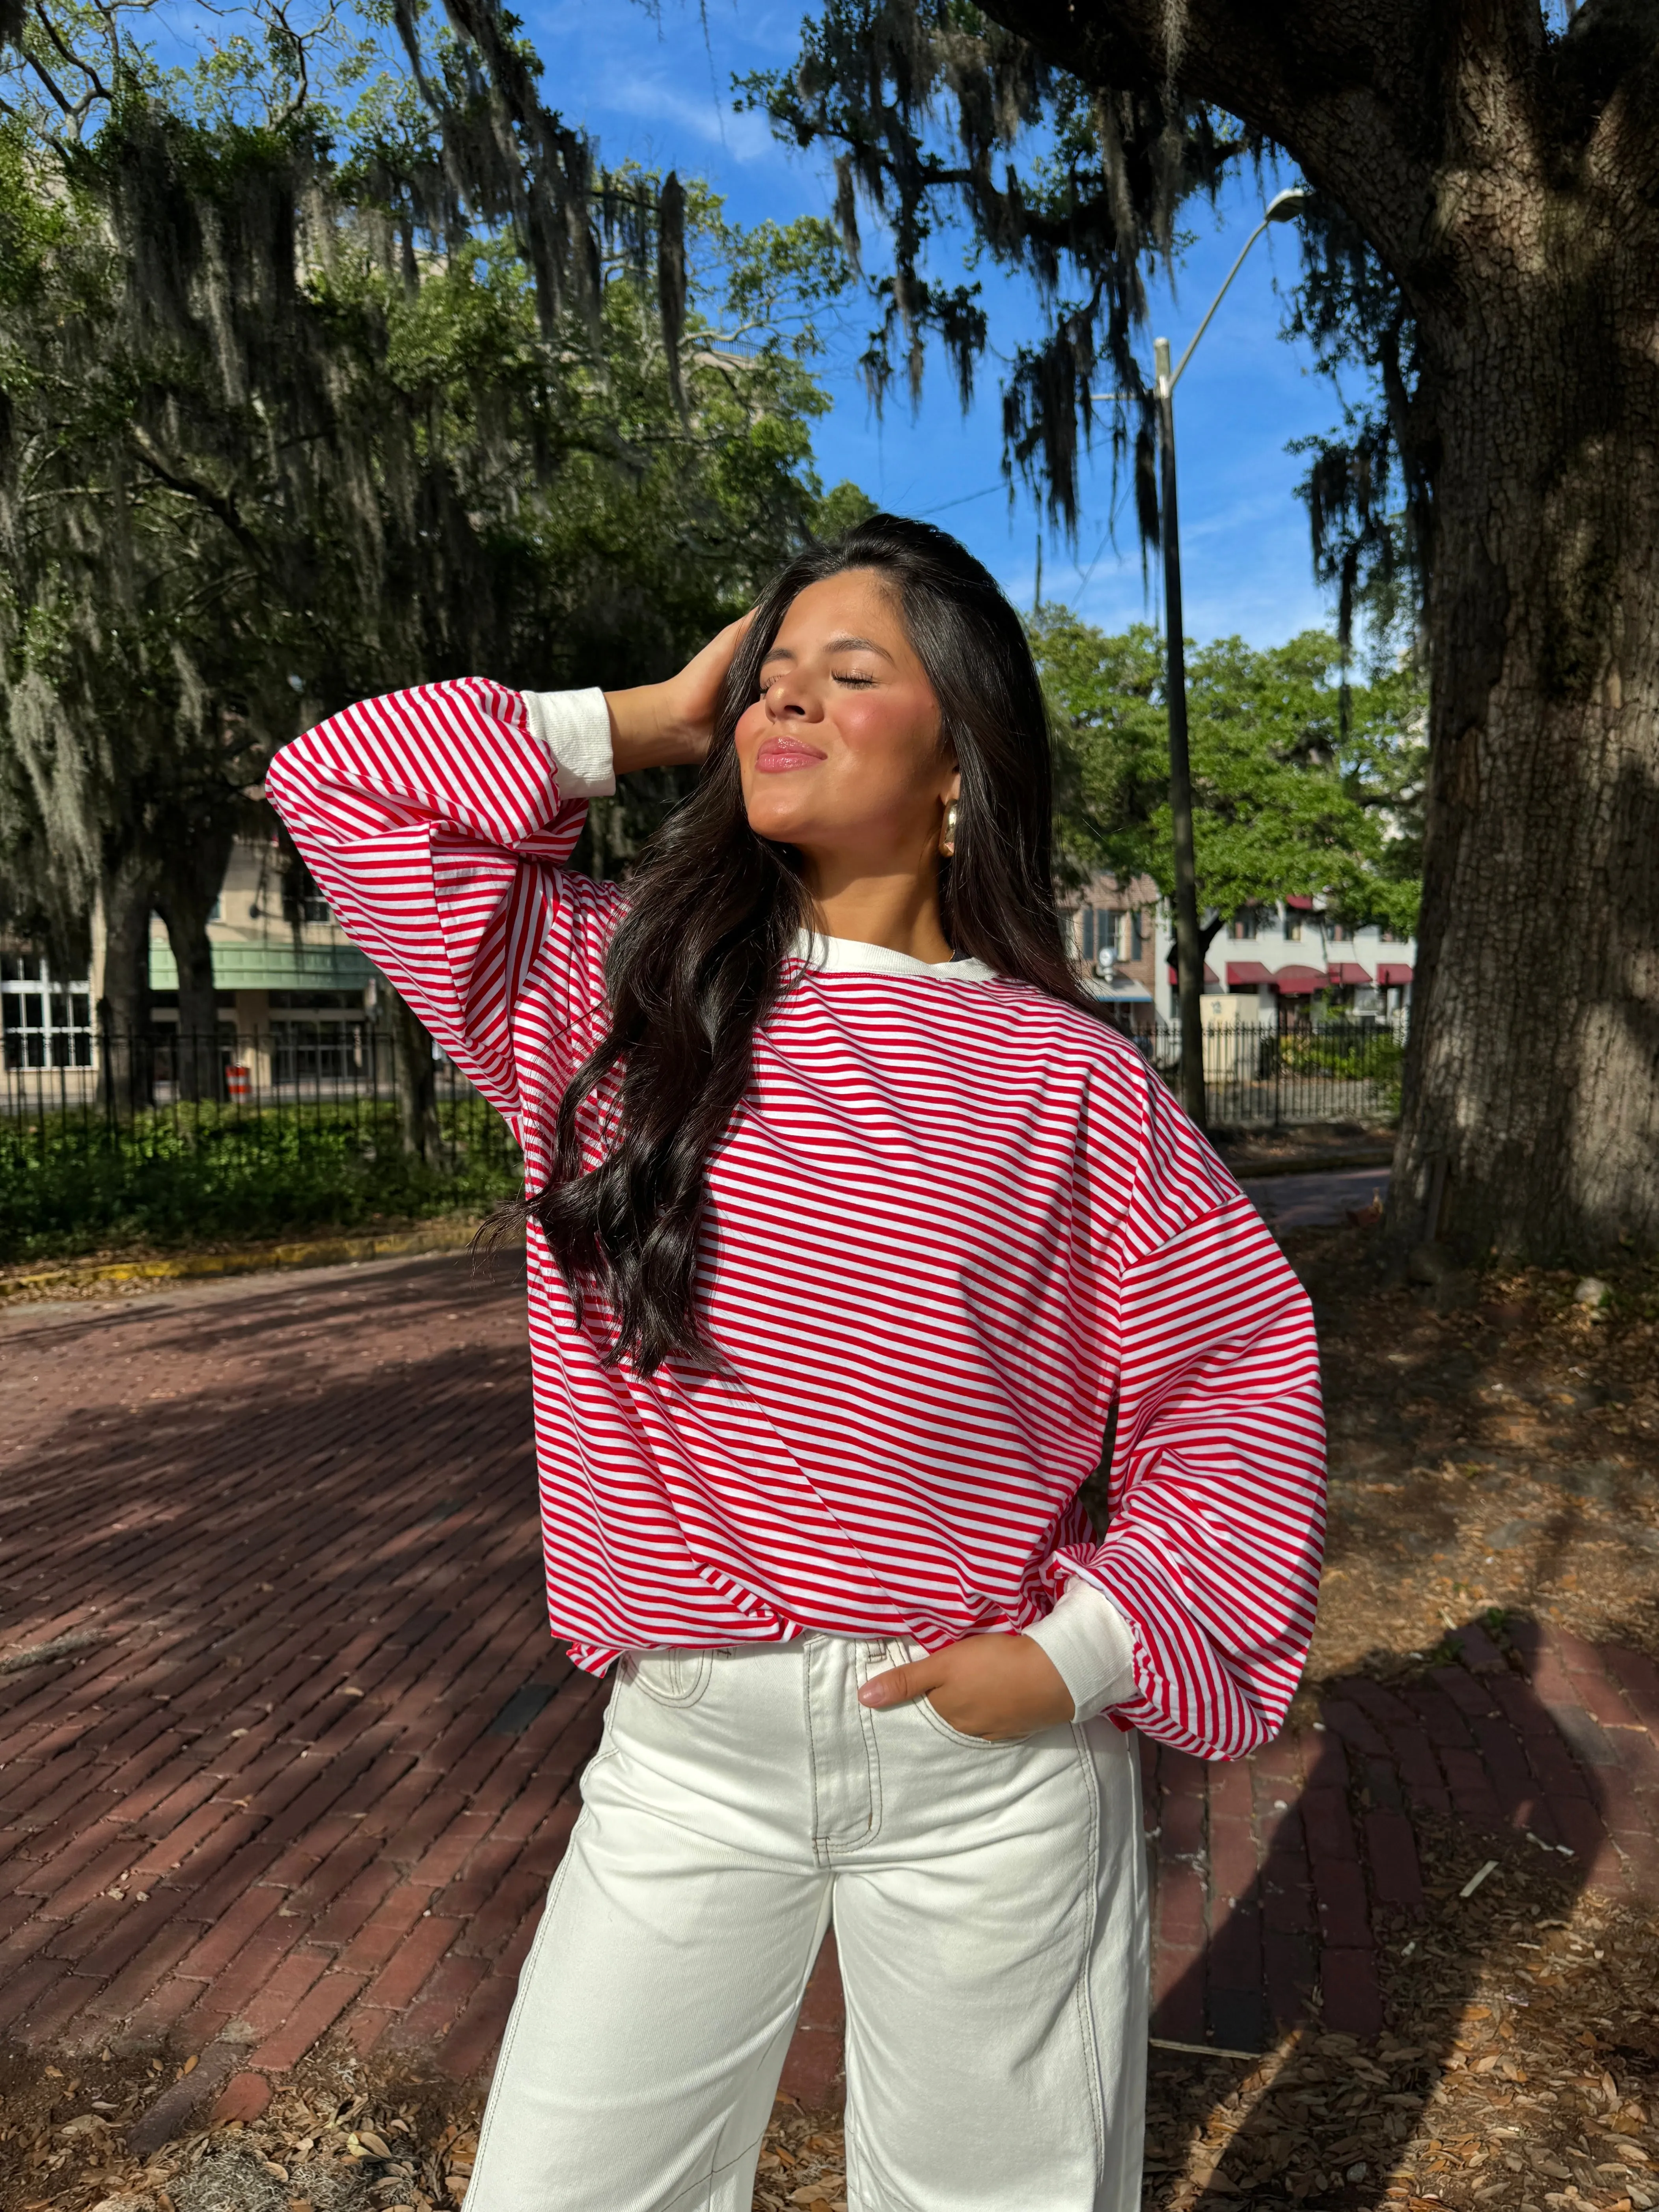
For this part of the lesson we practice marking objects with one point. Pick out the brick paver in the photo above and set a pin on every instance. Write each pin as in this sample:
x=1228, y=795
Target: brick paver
x=306, y=1758
x=313, y=1761
x=1322, y=1855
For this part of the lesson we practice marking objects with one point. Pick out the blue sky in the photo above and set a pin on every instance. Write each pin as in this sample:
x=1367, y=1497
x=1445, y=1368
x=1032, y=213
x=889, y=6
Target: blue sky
x=657, y=91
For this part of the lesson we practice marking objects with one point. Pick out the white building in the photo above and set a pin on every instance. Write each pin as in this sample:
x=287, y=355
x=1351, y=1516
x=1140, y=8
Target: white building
x=1273, y=962
x=294, y=1006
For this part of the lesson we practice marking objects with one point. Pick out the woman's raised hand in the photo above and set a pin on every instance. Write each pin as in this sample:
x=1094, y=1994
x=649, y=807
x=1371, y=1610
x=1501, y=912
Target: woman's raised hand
x=671, y=725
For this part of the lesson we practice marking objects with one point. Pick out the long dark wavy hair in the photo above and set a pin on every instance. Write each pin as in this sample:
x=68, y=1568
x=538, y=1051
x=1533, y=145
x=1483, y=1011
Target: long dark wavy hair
x=698, y=961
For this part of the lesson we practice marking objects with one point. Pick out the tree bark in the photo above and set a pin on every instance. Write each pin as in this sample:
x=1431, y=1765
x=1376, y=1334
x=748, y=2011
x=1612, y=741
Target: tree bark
x=1532, y=1081
x=184, y=898
x=1510, y=182
x=121, y=950
x=417, y=1081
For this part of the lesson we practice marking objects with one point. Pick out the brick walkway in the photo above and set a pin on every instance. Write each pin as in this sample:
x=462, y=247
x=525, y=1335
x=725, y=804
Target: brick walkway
x=1284, y=1874
x=308, y=1755
x=287, y=1750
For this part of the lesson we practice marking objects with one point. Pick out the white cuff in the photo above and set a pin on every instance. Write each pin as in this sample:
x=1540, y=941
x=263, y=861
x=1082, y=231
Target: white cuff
x=1092, y=1645
x=576, y=727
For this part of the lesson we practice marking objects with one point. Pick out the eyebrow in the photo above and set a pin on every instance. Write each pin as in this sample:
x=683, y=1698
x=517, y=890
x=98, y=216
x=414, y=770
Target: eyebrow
x=835, y=645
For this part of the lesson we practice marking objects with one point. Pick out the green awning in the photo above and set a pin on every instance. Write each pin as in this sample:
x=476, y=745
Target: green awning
x=280, y=965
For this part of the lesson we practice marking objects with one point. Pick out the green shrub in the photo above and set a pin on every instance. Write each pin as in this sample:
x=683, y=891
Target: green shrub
x=1376, y=1057
x=73, y=1182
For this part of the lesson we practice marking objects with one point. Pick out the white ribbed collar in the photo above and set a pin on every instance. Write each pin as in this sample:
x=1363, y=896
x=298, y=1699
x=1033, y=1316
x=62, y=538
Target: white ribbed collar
x=845, y=956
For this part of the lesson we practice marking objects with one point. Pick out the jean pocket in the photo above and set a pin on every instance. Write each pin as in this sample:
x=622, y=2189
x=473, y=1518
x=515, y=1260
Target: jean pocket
x=936, y=1720
x=668, y=1674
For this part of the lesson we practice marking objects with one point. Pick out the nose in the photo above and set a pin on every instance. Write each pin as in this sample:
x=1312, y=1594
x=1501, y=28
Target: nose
x=788, y=698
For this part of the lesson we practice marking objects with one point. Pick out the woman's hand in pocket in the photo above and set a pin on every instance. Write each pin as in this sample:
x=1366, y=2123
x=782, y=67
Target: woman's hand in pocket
x=997, y=1686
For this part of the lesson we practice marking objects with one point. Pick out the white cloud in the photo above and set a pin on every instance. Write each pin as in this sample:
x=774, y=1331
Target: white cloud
x=701, y=115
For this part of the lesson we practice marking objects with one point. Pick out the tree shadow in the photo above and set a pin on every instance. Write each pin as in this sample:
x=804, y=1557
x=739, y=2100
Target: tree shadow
x=299, y=1594
x=1314, y=1904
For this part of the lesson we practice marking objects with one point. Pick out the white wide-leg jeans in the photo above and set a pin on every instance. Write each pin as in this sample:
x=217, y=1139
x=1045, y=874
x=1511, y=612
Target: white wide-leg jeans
x=989, y=1903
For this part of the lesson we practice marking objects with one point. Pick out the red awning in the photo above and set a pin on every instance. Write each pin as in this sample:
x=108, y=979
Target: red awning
x=1346, y=971
x=1300, y=982
x=1393, y=971
x=1298, y=904
x=1210, y=976
x=1248, y=971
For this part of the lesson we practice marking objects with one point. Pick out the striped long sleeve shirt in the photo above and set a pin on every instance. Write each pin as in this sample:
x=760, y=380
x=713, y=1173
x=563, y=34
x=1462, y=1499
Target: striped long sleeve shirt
x=961, y=1247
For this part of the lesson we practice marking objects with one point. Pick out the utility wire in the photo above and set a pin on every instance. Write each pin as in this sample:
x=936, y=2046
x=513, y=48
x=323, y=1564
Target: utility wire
x=944, y=505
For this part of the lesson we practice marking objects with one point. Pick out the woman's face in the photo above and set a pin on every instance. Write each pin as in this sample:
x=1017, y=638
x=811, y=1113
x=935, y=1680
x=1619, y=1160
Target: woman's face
x=840, y=755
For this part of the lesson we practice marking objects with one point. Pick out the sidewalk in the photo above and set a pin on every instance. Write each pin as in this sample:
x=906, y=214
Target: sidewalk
x=289, y=1754
x=294, y=1749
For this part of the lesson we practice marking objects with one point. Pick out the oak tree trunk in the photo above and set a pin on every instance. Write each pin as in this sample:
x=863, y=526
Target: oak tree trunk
x=1507, y=174
x=185, y=899
x=1531, y=1123
x=417, y=1082
x=125, y=900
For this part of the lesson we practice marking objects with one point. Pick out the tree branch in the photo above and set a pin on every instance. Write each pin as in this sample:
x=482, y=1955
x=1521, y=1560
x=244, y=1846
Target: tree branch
x=223, y=509
x=1338, y=83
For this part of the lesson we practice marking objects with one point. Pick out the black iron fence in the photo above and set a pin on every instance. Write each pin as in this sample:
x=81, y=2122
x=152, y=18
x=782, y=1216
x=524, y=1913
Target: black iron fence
x=1271, y=1074
x=158, y=1136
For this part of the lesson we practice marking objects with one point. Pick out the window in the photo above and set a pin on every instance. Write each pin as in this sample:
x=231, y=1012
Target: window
x=1136, y=935
x=1293, y=925
x=1100, y=931
x=43, y=1023
x=310, y=1052
x=1337, y=932
x=1243, y=926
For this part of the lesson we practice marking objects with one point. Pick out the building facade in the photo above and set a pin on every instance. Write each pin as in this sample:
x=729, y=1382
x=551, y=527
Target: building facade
x=1270, y=965
x=295, y=1008
x=299, y=1009
x=1278, y=963
x=1114, y=932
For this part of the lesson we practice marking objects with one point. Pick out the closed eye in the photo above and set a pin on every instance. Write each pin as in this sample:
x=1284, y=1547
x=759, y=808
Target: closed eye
x=850, y=678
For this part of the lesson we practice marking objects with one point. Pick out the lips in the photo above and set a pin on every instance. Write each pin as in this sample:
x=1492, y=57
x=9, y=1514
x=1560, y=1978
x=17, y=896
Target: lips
x=778, y=755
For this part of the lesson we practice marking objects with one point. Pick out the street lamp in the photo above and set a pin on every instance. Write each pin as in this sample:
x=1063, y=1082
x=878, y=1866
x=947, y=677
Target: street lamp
x=1189, y=966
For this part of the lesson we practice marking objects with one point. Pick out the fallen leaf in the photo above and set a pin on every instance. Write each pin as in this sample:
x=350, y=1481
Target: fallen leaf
x=189, y=2066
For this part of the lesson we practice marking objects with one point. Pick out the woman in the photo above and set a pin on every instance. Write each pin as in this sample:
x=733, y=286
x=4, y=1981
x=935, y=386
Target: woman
x=858, y=1245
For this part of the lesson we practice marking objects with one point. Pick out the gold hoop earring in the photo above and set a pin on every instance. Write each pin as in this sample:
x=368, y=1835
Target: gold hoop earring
x=947, y=843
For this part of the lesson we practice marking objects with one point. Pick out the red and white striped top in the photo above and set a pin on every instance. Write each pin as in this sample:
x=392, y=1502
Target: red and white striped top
x=954, y=1221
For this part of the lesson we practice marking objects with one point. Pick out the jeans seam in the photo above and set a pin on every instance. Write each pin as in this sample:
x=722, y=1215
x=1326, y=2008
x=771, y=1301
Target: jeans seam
x=527, y=1974
x=1084, y=1995
x=684, y=1701
x=820, y=1849
x=889, y=2199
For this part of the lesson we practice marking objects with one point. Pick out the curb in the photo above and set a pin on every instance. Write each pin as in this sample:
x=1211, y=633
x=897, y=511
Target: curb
x=316, y=1252
x=1318, y=1163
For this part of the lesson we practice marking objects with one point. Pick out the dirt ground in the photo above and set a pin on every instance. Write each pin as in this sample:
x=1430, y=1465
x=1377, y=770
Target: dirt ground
x=1494, y=1446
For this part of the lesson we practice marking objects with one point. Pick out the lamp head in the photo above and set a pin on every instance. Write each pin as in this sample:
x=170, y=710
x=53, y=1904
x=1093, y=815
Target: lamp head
x=1285, y=206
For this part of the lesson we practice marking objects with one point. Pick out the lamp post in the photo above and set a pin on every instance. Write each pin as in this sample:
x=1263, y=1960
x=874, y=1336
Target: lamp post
x=1190, y=965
